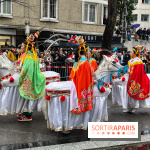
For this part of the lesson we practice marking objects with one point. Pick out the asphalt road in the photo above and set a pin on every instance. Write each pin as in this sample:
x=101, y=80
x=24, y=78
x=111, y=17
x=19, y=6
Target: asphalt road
x=35, y=133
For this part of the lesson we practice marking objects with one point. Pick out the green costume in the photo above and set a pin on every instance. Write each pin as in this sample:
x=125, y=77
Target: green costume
x=31, y=81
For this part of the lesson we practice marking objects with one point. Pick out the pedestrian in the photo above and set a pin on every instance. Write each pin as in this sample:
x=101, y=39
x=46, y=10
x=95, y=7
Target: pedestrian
x=48, y=59
x=148, y=34
x=57, y=58
x=129, y=33
x=148, y=61
x=144, y=36
x=133, y=31
x=1, y=52
x=126, y=58
x=105, y=20
x=140, y=33
x=119, y=30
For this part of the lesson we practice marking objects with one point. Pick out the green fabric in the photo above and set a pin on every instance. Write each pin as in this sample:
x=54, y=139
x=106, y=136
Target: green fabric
x=27, y=114
x=31, y=81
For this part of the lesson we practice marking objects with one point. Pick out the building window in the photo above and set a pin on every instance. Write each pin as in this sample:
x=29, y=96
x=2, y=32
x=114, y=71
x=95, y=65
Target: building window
x=134, y=17
x=144, y=17
x=90, y=13
x=49, y=9
x=5, y=7
x=145, y=1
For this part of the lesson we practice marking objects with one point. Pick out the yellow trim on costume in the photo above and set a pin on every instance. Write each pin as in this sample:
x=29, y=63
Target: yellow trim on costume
x=77, y=67
x=135, y=63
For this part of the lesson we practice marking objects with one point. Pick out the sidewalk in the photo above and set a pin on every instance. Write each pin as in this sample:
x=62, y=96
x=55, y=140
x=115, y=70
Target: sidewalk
x=130, y=44
x=97, y=145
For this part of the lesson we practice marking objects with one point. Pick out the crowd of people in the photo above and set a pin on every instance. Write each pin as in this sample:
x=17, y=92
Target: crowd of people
x=141, y=33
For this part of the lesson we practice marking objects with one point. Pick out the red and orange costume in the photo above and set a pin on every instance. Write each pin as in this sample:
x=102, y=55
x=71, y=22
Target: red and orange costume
x=81, y=75
x=138, y=82
x=93, y=64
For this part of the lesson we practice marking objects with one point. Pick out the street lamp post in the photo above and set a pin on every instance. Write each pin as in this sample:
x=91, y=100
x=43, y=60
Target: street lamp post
x=27, y=27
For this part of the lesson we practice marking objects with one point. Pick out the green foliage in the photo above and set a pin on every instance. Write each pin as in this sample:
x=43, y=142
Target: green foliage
x=120, y=11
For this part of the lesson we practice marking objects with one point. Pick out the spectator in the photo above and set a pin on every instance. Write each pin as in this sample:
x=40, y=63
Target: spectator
x=60, y=51
x=129, y=33
x=119, y=30
x=53, y=54
x=134, y=33
x=48, y=59
x=140, y=33
x=41, y=55
x=105, y=20
x=57, y=58
x=148, y=34
x=144, y=34
x=121, y=58
x=1, y=52
x=144, y=58
x=63, y=57
x=126, y=59
x=148, y=61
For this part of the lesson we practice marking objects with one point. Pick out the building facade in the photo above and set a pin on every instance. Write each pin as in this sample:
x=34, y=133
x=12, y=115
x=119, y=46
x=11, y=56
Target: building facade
x=142, y=13
x=83, y=17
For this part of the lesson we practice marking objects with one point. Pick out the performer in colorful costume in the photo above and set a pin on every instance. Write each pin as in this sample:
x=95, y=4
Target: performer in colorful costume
x=92, y=62
x=138, y=82
x=31, y=81
x=81, y=75
x=11, y=56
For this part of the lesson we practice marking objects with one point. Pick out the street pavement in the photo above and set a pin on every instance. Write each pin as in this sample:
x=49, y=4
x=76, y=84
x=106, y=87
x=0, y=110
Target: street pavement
x=33, y=134
x=130, y=44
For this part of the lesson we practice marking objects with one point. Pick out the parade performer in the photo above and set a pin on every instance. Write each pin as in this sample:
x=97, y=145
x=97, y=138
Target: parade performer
x=138, y=82
x=92, y=62
x=11, y=55
x=81, y=75
x=31, y=81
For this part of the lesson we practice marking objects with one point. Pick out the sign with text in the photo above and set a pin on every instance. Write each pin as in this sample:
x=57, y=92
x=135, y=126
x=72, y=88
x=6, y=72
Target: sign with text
x=111, y=130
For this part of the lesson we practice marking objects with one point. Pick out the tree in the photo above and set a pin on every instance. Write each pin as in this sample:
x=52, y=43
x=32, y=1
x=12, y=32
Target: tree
x=120, y=9
x=111, y=22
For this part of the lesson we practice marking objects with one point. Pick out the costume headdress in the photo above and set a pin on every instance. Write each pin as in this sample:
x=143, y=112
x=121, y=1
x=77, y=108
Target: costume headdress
x=138, y=49
x=30, y=44
x=78, y=40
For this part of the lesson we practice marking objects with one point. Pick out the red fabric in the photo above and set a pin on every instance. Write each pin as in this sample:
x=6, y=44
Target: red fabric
x=70, y=56
x=82, y=78
x=138, y=83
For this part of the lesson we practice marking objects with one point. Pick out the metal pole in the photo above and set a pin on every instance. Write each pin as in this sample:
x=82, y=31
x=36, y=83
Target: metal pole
x=124, y=26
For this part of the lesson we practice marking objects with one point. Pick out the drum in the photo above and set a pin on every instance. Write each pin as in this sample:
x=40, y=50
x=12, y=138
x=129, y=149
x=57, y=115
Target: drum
x=51, y=76
x=57, y=109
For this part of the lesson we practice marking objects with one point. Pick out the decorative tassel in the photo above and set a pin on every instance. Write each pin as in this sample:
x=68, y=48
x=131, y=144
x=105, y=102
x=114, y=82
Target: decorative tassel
x=123, y=79
x=47, y=82
x=11, y=79
x=102, y=90
x=0, y=86
x=63, y=98
x=48, y=97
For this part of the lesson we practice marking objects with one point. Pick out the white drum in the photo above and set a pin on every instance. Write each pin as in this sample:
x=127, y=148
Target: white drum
x=58, y=114
x=51, y=76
